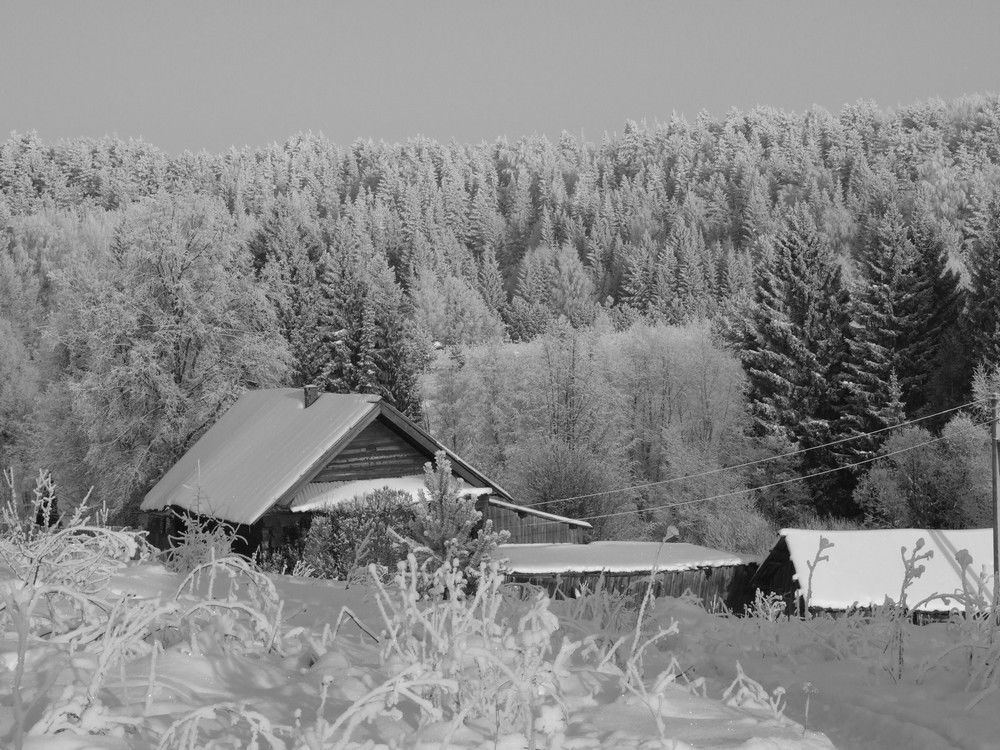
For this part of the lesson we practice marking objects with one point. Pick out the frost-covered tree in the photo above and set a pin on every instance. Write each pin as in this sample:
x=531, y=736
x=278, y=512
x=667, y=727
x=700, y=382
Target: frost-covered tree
x=447, y=525
x=940, y=485
x=881, y=326
x=18, y=390
x=155, y=338
x=287, y=255
x=935, y=365
x=792, y=348
x=982, y=319
x=365, y=344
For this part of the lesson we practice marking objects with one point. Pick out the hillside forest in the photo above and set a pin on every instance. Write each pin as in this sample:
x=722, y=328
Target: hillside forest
x=574, y=318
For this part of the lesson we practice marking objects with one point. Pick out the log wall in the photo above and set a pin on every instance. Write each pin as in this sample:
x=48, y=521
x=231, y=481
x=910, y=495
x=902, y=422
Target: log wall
x=525, y=528
x=378, y=451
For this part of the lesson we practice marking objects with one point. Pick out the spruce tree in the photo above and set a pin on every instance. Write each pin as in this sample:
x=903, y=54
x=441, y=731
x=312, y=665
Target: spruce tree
x=791, y=348
x=362, y=319
x=880, y=321
x=982, y=318
x=287, y=255
x=935, y=369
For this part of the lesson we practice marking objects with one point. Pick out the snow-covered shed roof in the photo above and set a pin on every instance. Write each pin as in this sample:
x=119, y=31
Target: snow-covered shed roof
x=865, y=566
x=269, y=445
x=612, y=557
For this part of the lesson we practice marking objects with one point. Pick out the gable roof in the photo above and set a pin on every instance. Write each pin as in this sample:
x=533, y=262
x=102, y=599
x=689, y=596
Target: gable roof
x=268, y=445
x=865, y=566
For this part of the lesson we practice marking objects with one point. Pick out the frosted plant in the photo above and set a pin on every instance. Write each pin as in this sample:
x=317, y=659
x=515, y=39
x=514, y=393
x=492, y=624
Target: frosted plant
x=824, y=544
x=201, y=539
x=748, y=694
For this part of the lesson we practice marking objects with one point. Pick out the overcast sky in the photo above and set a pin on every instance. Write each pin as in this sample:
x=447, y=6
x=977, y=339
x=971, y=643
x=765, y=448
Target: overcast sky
x=213, y=74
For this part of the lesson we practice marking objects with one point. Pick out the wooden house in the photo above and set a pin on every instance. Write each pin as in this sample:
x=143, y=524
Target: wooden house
x=835, y=571
x=711, y=575
x=279, y=455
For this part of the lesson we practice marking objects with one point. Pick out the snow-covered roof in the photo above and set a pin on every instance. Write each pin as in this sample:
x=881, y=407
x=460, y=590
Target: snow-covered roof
x=612, y=557
x=865, y=566
x=264, y=450
x=262, y=446
x=318, y=495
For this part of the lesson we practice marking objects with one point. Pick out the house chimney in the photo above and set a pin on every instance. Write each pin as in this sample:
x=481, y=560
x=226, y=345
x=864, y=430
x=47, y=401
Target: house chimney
x=309, y=394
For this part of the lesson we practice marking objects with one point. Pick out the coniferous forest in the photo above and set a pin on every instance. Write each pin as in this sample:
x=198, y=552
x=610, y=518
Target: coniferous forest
x=575, y=318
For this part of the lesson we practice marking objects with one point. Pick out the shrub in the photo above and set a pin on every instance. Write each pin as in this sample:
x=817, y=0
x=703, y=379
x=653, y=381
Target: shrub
x=357, y=534
x=201, y=540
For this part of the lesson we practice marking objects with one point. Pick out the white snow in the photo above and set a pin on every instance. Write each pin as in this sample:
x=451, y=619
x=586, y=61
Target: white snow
x=612, y=557
x=865, y=567
x=318, y=495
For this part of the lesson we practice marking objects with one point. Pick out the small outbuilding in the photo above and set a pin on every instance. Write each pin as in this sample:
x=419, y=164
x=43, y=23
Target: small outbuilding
x=279, y=455
x=840, y=570
x=677, y=567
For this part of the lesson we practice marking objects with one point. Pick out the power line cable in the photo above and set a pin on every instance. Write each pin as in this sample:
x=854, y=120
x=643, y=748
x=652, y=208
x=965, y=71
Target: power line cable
x=756, y=462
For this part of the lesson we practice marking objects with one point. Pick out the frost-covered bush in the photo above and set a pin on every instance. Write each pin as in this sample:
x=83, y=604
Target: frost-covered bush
x=357, y=533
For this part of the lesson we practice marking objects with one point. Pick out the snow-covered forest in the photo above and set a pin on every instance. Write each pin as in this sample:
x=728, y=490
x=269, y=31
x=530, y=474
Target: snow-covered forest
x=573, y=317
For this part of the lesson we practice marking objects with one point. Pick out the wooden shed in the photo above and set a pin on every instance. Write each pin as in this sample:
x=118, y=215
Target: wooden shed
x=277, y=456
x=711, y=575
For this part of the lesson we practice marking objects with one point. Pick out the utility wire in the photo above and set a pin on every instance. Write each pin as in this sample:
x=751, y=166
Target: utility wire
x=802, y=478
x=756, y=462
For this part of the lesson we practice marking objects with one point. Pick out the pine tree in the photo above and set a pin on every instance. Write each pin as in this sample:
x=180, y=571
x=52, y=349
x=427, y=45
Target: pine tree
x=792, y=344
x=879, y=325
x=490, y=283
x=365, y=342
x=982, y=318
x=935, y=367
x=530, y=313
x=287, y=256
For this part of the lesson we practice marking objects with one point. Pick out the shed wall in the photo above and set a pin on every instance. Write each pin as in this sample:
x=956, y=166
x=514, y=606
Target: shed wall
x=712, y=585
x=526, y=528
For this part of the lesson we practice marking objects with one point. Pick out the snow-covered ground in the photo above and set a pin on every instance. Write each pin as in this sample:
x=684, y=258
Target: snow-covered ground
x=99, y=653
x=315, y=664
x=849, y=669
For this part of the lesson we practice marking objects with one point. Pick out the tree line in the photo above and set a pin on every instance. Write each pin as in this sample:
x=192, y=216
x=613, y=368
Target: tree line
x=845, y=266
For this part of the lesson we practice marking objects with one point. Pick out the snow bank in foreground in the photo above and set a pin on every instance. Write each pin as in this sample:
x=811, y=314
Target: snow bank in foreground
x=612, y=557
x=865, y=567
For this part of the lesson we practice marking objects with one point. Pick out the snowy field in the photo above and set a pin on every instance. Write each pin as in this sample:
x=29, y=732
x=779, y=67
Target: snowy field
x=101, y=650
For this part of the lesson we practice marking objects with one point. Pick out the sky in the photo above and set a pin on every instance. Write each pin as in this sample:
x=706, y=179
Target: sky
x=209, y=75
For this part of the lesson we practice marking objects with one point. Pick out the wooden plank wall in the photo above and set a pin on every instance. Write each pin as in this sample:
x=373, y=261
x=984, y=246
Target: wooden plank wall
x=528, y=529
x=378, y=451
x=711, y=585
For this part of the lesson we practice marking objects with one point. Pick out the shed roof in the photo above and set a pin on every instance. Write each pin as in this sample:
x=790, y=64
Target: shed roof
x=268, y=445
x=612, y=557
x=865, y=566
